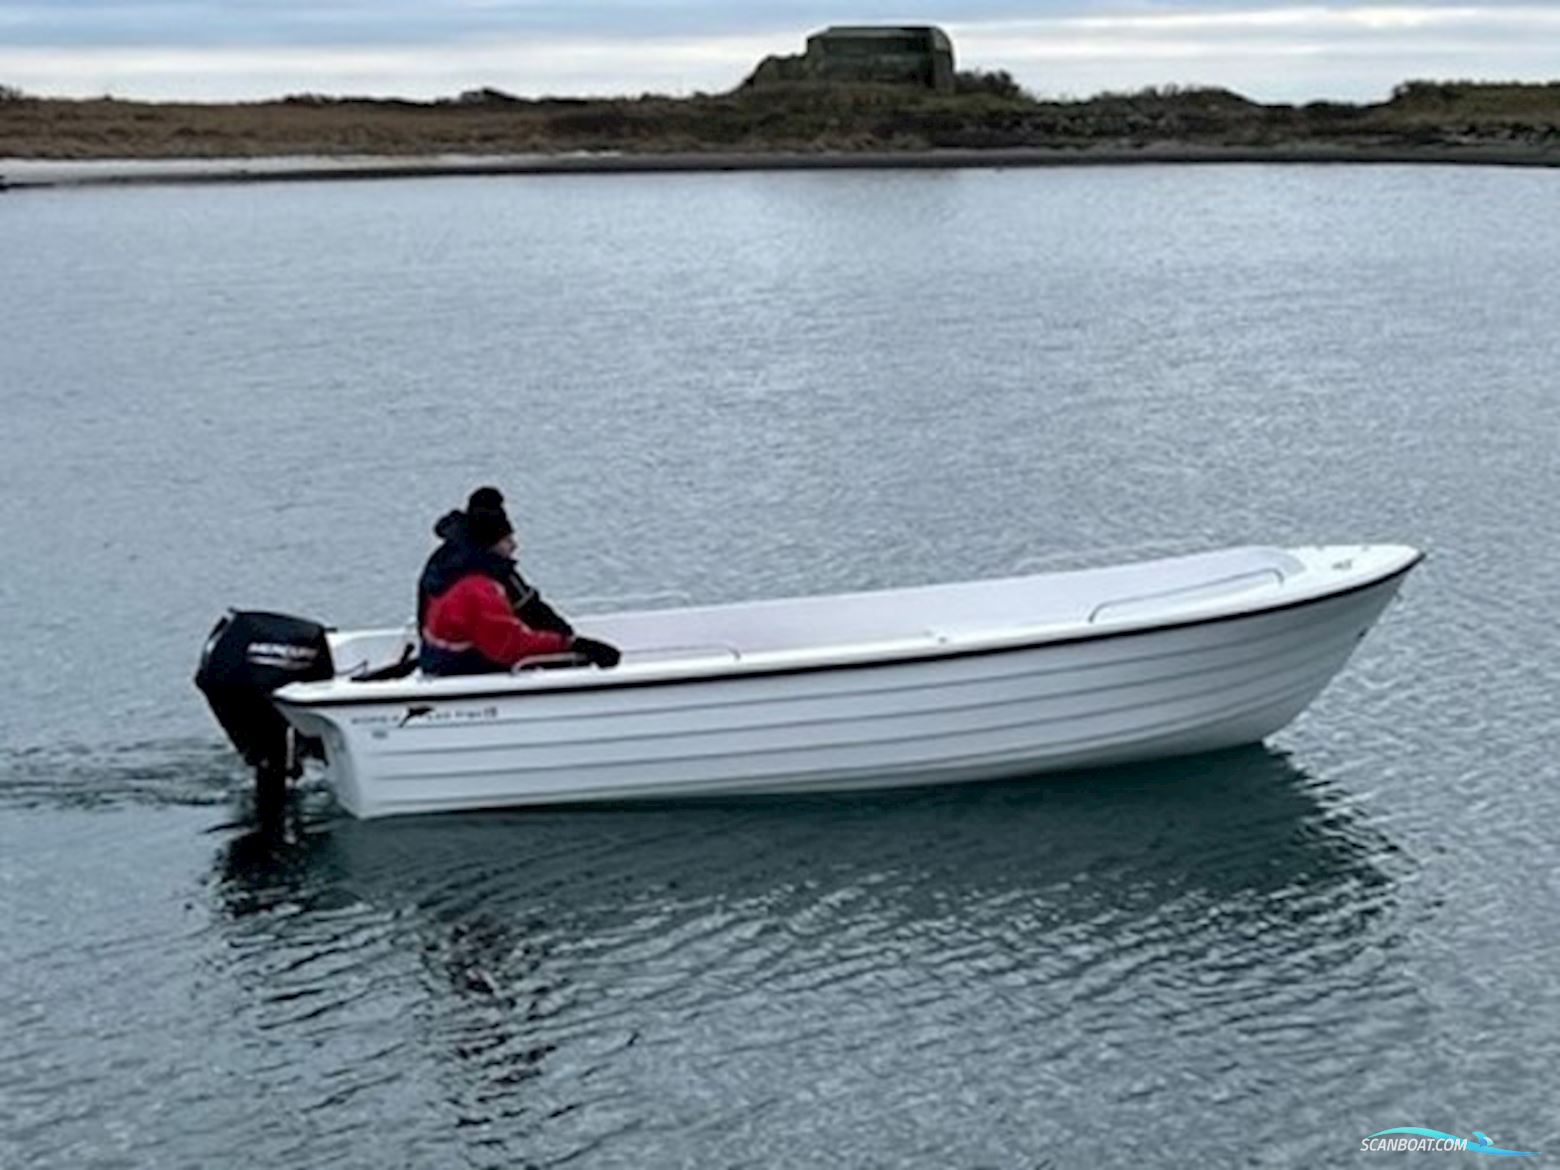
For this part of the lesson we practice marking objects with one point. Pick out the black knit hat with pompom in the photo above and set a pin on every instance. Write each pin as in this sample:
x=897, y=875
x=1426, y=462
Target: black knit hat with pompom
x=486, y=521
x=485, y=497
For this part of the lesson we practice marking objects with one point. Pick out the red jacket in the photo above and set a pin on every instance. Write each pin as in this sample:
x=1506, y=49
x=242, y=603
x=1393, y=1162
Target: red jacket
x=474, y=614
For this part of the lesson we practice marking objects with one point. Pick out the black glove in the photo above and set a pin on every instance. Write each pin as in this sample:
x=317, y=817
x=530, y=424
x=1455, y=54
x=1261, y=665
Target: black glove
x=596, y=653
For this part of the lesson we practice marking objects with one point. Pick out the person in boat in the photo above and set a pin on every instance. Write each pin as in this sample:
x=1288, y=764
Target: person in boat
x=473, y=604
x=456, y=551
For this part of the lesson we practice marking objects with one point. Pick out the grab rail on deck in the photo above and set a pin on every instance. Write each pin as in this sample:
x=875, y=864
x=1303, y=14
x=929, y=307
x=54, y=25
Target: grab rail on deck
x=1276, y=573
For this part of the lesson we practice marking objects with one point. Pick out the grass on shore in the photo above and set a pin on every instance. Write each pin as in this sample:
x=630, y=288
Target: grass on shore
x=798, y=117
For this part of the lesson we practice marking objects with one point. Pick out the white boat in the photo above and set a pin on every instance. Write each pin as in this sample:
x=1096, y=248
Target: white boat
x=946, y=683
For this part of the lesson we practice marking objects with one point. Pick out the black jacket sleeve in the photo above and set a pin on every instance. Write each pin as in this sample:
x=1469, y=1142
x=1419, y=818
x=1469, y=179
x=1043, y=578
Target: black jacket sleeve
x=533, y=611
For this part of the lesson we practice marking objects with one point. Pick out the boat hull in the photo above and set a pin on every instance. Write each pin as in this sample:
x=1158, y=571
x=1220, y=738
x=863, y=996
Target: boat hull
x=1018, y=710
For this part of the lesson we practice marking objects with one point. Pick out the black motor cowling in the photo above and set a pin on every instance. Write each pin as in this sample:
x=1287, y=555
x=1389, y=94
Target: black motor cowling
x=248, y=655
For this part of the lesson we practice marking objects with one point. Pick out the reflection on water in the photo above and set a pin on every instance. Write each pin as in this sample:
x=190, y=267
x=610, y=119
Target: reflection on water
x=1246, y=822
x=565, y=962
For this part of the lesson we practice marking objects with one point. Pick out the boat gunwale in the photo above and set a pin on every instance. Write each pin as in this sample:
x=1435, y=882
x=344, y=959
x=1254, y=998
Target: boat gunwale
x=932, y=653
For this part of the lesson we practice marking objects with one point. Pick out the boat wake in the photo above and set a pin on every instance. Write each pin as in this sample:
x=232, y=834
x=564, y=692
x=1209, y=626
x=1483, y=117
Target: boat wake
x=192, y=772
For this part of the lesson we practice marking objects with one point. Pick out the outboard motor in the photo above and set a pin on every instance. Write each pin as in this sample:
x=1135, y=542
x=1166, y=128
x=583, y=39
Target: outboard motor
x=249, y=655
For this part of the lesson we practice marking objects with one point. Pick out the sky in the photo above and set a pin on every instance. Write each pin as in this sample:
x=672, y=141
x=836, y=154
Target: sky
x=244, y=49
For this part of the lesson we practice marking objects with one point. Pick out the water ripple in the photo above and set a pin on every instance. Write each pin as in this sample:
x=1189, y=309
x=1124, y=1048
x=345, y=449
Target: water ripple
x=812, y=383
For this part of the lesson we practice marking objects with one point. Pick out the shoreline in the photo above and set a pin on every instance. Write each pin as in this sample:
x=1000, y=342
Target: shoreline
x=17, y=174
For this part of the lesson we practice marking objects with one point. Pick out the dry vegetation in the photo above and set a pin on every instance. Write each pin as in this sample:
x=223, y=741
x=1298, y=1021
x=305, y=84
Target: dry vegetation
x=990, y=111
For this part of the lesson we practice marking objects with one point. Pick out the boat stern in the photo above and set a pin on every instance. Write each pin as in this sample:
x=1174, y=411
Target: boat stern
x=337, y=750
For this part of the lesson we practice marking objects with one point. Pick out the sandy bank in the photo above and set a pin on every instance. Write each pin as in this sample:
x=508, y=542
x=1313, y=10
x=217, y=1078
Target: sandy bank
x=23, y=174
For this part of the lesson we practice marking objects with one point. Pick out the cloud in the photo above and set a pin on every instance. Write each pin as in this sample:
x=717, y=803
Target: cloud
x=1291, y=53
x=1270, y=52
x=532, y=67
x=382, y=22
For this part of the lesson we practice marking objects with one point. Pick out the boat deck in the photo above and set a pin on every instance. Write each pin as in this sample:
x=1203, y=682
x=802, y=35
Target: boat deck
x=895, y=624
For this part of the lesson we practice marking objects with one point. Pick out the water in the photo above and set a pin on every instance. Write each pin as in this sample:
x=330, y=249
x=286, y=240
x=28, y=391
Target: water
x=740, y=385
